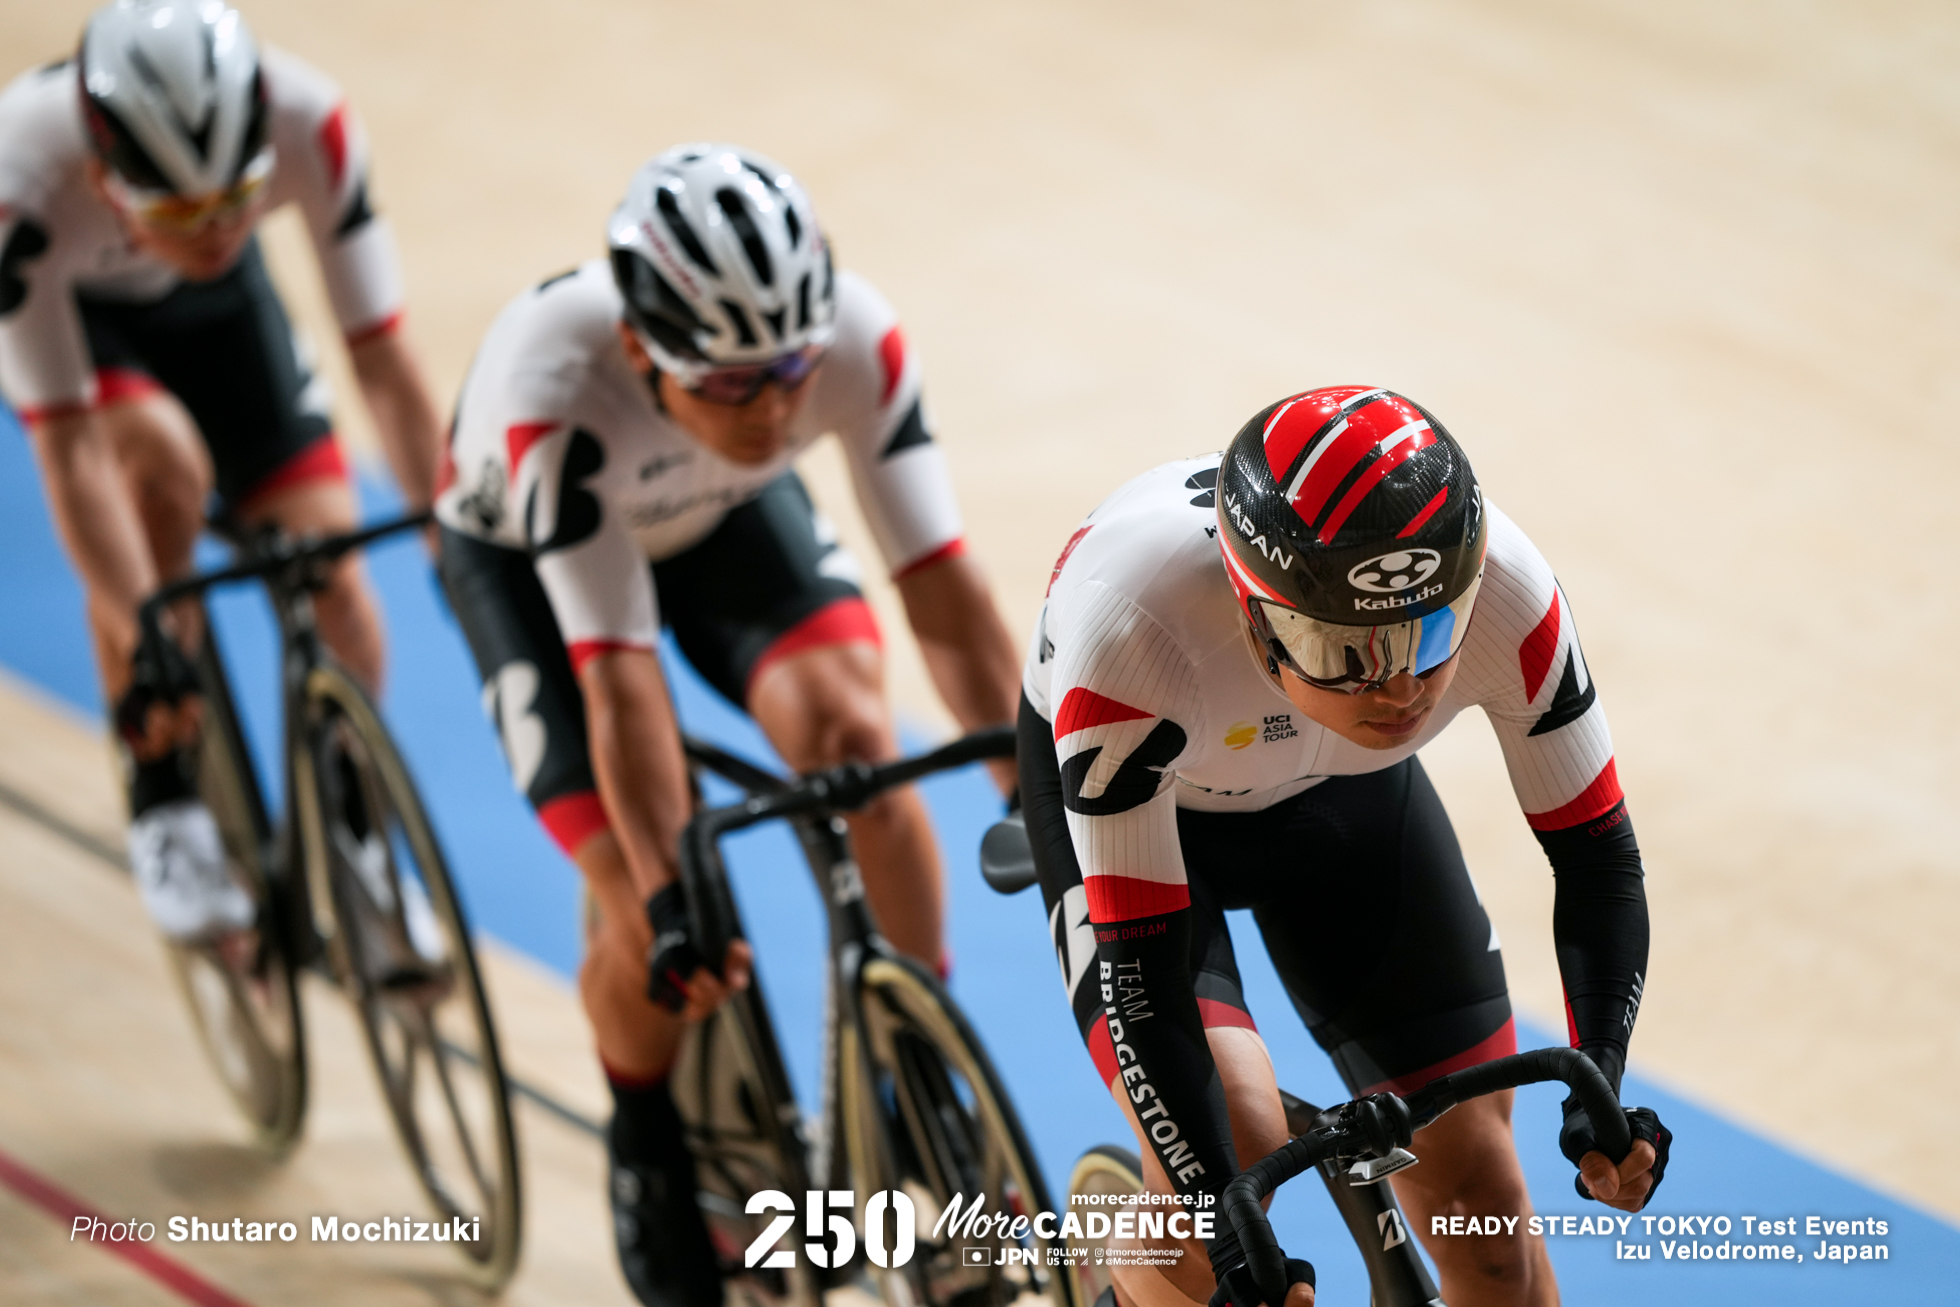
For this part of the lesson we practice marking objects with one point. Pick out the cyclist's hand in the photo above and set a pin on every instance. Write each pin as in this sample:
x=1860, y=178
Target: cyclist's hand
x=1629, y=1185
x=706, y=991
x=160, y=709
x=678, y=978
x=1236, y=1287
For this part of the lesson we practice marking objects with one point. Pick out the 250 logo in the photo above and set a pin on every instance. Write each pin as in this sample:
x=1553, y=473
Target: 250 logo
x=820, y=1221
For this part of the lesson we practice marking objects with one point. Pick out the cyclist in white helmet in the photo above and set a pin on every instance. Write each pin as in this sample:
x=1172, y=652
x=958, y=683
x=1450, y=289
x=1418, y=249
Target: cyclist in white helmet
x=145, y=350
x=622, y=460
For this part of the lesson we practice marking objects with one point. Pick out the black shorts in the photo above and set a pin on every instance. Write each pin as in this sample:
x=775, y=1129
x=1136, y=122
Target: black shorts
x=225, y=349
x=752, y=591
x=1364, y=902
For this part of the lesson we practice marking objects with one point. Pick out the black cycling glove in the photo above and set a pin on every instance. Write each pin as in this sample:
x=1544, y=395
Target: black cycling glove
x=1575, y=1140
x=673, y=957
x=159, y=673
x=1236, y=1287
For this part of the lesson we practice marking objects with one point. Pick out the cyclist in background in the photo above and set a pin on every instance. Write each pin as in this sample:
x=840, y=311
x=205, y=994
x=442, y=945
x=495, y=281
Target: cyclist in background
x=147, y=353
x=621, y=461
x=1237, y=663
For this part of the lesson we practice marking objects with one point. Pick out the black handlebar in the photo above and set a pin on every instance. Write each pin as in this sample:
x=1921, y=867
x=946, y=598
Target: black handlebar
x=266, y=556
x=820, y=794
x=1376, y=1125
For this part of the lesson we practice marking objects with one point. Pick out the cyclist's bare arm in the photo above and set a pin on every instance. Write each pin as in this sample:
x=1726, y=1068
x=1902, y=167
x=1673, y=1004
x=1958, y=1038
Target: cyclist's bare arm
x=405, y=417
x=972, y=660
x=636, y=756
x=642, y=775
x=101, y=527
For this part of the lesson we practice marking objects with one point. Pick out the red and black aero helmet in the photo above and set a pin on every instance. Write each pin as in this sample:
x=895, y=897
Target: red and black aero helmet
x=1353, y=531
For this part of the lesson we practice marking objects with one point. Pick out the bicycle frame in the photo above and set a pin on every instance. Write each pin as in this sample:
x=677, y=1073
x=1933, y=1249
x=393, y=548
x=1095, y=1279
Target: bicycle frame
x=854, y=943
x=289, y=578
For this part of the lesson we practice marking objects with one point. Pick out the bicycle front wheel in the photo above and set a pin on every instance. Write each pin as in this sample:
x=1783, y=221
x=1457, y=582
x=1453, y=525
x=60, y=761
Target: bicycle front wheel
x=926, y=1115
x=399, y=944
x=243, y=992
x=1105, y=1175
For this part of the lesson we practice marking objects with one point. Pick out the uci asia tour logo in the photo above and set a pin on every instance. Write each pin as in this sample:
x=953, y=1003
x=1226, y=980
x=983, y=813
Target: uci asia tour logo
x=1404, y=569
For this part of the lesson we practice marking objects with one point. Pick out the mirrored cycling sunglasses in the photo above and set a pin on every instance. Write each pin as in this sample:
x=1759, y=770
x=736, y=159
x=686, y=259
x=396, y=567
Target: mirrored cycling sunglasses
x=1356, y=659
x=739, y=385
x=187, y=215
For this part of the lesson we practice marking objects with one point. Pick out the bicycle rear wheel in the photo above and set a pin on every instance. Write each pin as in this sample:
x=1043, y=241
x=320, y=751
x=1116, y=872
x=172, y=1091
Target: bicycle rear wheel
x=1104, y=1172
x=400, y=945
x=243, y=992
x=925, y=1114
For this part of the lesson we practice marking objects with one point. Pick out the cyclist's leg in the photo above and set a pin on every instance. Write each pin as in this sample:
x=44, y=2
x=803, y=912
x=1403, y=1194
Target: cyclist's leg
x=1407, y=986
x=164, y=469
x=826, y=705
x=168, y=476
x=764, y=609
x=226, y=349
x=319, y=501
x=532, y=697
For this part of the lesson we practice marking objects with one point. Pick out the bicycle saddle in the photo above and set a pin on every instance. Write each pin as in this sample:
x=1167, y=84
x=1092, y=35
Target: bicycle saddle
x=1006, y=857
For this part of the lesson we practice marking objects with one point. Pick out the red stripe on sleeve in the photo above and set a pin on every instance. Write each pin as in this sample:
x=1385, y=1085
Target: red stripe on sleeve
x=1598, y=799
x=891, y=353
x=374, y=330
x=582, y=652
x=1535, y=654
x=519, y=438
x=1082, y=709
x=1125, y=898
x=333, y=145
x=951, y=549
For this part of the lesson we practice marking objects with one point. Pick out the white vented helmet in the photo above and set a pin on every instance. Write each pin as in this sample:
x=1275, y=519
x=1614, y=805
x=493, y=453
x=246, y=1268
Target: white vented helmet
x=172, y=93
x=720, y=260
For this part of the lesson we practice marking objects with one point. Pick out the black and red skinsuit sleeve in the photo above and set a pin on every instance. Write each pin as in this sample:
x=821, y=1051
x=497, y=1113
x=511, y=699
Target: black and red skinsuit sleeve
x=1599, y=928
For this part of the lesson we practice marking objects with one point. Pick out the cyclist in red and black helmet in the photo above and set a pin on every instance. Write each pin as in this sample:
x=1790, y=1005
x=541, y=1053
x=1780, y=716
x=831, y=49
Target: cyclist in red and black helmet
x=1238, y=660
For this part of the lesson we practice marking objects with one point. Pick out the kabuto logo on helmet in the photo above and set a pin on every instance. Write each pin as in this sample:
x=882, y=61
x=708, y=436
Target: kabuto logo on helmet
x=1388, y=573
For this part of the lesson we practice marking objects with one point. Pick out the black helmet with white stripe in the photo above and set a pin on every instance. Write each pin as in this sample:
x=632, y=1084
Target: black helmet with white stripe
x=173, y=96
x=718, y=255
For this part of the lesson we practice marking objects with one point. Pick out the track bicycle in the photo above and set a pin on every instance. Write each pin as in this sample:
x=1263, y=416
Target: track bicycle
x=351, y=883
x=914, y=1115
x=1354, y=1147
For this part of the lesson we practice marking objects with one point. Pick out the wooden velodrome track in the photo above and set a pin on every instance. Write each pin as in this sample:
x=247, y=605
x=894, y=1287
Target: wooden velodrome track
x=1683, y=278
